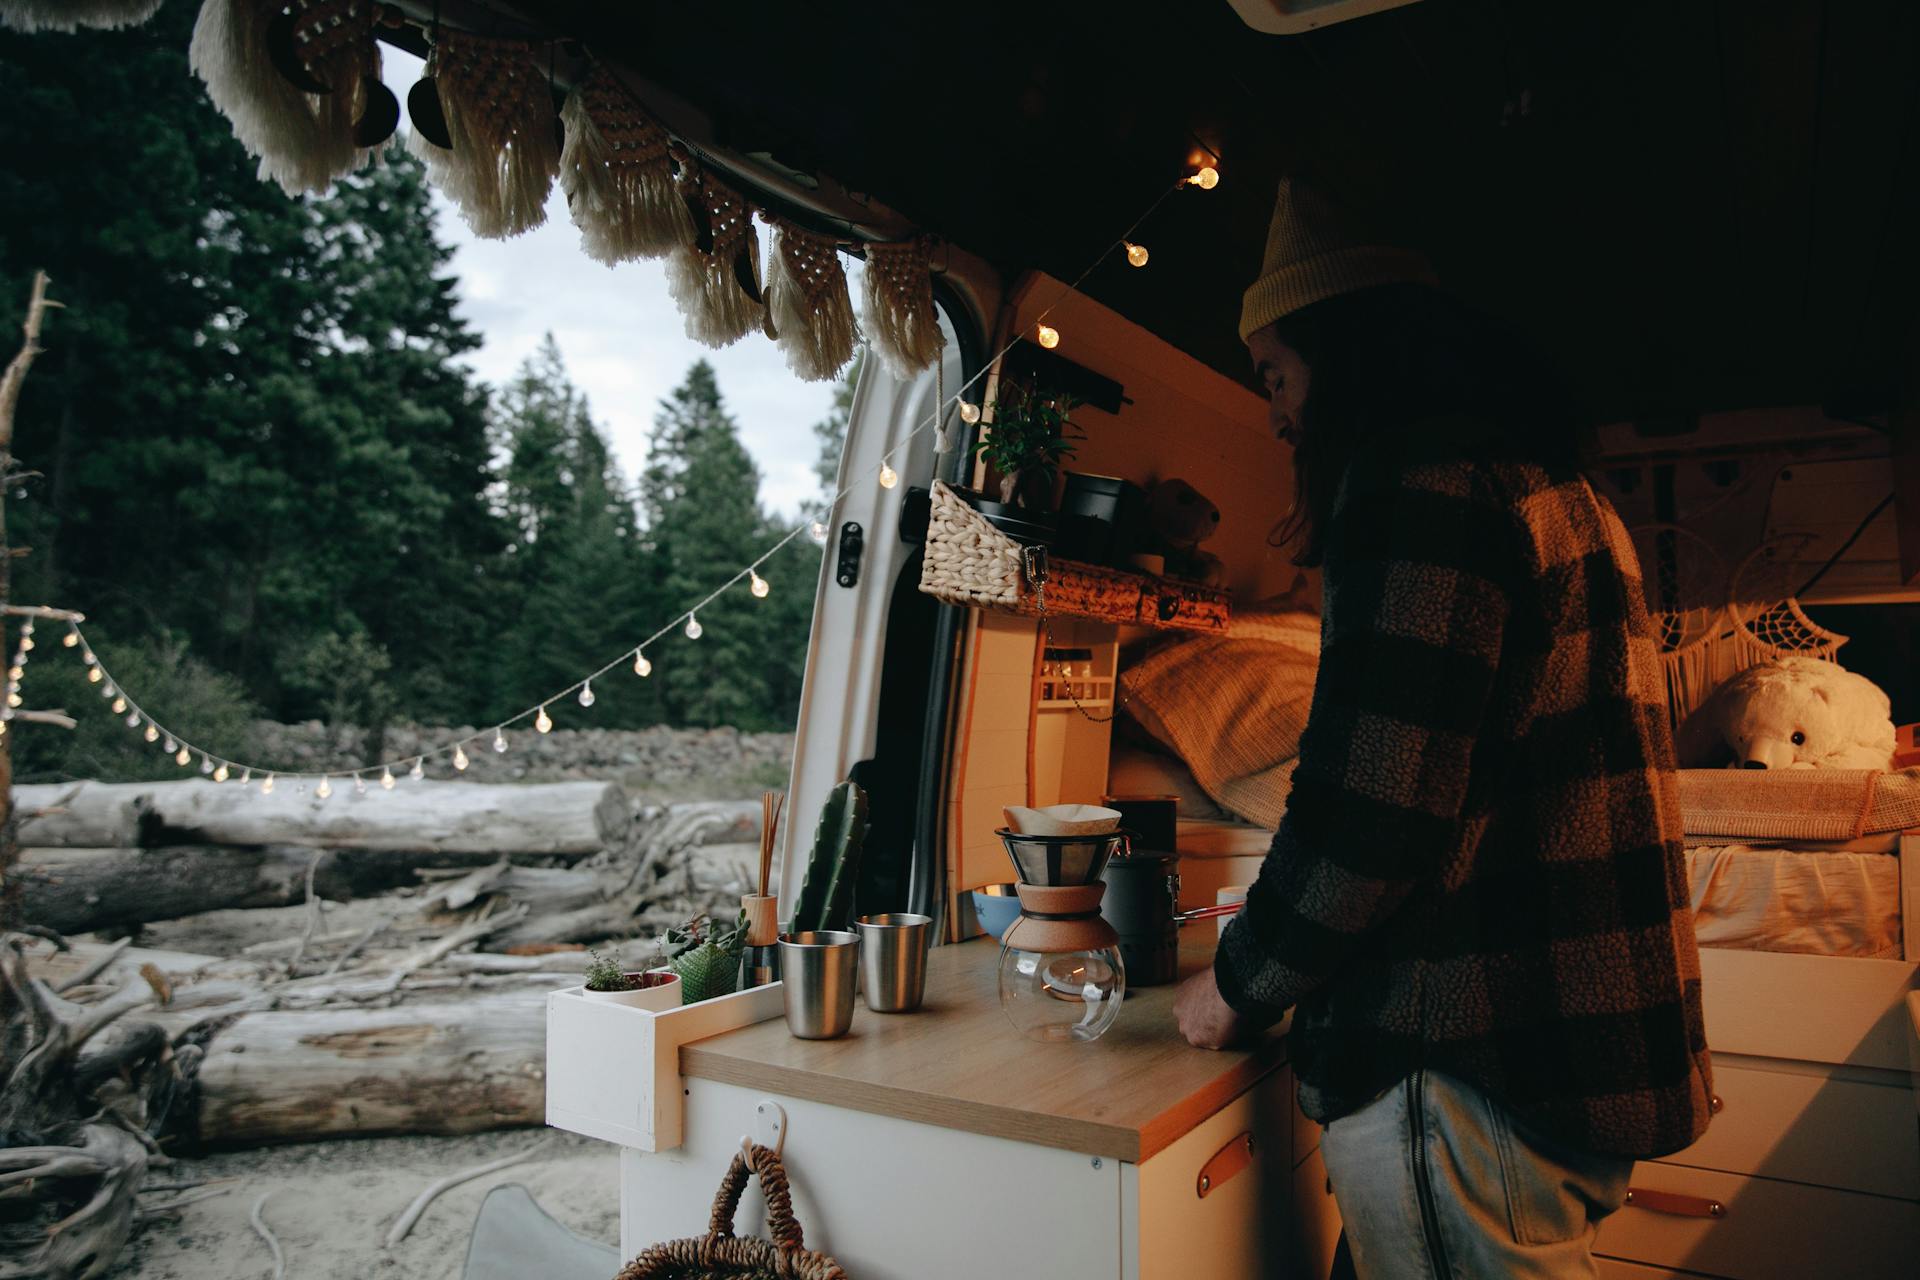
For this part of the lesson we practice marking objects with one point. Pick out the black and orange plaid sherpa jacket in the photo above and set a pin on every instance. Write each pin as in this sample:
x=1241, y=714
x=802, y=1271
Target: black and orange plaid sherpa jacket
x=1480, y=867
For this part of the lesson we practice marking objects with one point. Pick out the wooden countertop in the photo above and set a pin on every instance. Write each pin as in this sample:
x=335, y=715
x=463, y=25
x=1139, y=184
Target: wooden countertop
x=959, y=1064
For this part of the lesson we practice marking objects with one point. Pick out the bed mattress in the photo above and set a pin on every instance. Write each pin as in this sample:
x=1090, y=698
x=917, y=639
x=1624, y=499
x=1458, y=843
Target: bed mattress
x=1827, y=902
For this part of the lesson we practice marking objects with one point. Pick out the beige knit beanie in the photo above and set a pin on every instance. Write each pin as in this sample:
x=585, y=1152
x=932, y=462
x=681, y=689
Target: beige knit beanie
x=1312, y=255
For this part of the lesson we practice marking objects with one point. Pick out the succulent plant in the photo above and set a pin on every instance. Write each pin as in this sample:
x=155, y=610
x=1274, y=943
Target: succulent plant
x=707, y=959
x=825, y=900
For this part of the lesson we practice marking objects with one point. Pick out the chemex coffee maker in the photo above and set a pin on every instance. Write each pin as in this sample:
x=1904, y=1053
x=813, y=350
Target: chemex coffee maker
x=1061, y=975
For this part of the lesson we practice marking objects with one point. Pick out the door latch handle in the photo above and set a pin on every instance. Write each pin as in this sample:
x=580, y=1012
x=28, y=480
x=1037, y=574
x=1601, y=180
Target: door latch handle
x=853, y=540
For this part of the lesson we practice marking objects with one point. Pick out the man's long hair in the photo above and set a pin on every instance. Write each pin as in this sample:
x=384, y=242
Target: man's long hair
x=1406, y=368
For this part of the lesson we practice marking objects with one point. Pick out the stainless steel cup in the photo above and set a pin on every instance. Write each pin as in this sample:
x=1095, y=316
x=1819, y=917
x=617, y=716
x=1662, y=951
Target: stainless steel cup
x=893, y=960
x=818, y=970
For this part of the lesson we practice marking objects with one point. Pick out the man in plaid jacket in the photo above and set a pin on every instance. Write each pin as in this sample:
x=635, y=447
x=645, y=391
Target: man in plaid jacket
x=1476, y=904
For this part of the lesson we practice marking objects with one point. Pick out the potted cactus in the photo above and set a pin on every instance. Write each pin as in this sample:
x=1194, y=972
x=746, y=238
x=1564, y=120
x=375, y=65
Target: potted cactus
x=608, y=979
x=825, y=900
x=706, y=959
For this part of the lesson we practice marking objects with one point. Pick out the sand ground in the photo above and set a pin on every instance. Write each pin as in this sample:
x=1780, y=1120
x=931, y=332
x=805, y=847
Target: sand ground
x=333, y=1203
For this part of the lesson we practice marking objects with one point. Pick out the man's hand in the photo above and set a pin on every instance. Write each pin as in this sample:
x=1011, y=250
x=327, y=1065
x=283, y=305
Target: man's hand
x=1205, y=1019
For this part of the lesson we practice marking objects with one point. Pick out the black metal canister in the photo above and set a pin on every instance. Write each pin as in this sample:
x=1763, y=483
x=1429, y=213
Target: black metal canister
x=1141, y=900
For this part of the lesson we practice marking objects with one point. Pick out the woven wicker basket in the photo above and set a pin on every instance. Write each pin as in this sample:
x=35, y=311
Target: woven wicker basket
x=721, y=1255
x=969, y=562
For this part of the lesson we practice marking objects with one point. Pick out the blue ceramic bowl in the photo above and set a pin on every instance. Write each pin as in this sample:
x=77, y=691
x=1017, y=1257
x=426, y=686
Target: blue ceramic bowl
x=997, y=907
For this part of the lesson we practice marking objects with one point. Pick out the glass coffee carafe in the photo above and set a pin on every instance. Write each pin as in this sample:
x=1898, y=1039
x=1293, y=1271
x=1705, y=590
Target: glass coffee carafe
x=1061, y=976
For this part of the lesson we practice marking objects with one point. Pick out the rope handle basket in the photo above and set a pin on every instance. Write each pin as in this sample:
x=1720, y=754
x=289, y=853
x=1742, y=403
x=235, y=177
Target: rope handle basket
x=721, y=1255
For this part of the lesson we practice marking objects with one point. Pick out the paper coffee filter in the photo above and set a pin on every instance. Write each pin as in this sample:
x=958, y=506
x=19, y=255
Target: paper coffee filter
x=1062, y=820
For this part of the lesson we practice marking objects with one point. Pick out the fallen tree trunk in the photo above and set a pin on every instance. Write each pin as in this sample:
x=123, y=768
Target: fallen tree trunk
x=569, y=819
x=81, y=890
x=417, y=1068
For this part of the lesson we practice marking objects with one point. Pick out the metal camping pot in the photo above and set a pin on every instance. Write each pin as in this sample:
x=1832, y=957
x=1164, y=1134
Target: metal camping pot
x=1142, y=904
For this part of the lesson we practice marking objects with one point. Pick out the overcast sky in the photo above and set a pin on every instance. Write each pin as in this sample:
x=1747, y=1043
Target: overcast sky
x=623, y=339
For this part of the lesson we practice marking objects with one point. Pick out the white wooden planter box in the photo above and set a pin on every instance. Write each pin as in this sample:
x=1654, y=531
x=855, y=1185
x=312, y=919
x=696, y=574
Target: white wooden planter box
x=613, y=1071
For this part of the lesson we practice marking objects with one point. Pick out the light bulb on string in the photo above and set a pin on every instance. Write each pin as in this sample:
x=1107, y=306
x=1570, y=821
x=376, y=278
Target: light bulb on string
x=119, y=705
x=543, y=722
x=386, y=779
x=26, y=644
x=70, y=639
x=499, y=740
x=14, y=699
x=108, y=691
x=757, y=584
x=206, y=763
x=246, y=776
x=94, y=676
x=460, y=760
x=152, y=734
x=220, y=773
x=586, y=693
x=1206, y=177
x=183, y=757
x=266, y=785
x=133, y=721
x=888, y=476
x=15, y=672
x=170, y=746
x=325, y=788
x=1047, y=336
x=818, y=532
x=419, y=769
x=642, y=665
x=359, y=785
x=694, y=629
x=969, y=412
x=1136, y=254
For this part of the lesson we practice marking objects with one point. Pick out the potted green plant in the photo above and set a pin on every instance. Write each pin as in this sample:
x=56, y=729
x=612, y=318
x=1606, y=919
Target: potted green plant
x=608, y=979
x=1026, y=443
x=706, y=959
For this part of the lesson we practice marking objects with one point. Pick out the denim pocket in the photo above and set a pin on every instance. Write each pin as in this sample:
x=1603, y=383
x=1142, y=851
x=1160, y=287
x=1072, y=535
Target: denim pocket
x=1554, y=1192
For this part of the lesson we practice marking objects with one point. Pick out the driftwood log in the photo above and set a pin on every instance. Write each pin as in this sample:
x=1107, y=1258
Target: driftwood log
x=455, y=1067
x=565, y=819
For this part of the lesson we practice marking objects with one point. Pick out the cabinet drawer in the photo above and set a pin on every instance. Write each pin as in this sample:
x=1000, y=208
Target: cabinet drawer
x=1767, y=1231
x=1803, y=1125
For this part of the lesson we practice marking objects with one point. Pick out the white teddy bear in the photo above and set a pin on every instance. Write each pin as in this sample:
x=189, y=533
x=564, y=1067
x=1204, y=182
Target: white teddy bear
x=1791, y=713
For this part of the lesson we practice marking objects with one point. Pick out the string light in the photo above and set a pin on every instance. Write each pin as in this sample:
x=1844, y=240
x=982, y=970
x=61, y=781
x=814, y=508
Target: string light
x=1047, y=336
x=120, y=705
x=152, y=734
x=499, y=740
x=14, y=699
x=170, y=747
x=133, y=721
x=206, y=762
x=386, y=779
x=15, y=672
x=818, y=532
x=888, y=476
x=324, y=790
x=694, y=629
x=266, y=785
x=758, y=584
x=543, y=722
x=359, y=785
x=220, y=774
x=26, y=642
x=1206, y=177
x=419, y=769
x=642, y=665
x=70, y=639
x=586, y=693
x=94, y=676
x=460, y=760
x=246, y=776
x=1136, y=254
x=182, y=757
x=109, y=691
x=969, y=412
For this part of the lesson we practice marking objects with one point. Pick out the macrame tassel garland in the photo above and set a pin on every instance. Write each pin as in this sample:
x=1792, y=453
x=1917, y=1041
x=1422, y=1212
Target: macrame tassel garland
x=716, y=279
x=618, y=177
x=499, y=110
x=900, y=322
x=808, y=303
x=292, y=85
x=71, y=15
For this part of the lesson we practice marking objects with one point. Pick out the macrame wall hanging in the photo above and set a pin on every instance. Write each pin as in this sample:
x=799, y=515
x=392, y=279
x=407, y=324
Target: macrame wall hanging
x=301, y=87
x=618, y=175
x=900, y=321
x=807, y=301
x=71, y=15
x=716, y=279
x=499, y=112
x=1711, y=624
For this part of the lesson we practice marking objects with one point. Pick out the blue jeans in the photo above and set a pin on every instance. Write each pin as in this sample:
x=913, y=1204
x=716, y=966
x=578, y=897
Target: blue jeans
x=1438, y=1181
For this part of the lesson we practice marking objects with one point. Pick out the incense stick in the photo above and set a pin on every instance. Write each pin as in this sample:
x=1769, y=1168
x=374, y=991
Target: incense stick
x=771, y=803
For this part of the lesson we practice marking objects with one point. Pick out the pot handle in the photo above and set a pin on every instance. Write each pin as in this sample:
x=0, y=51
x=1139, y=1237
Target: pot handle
x=1209, y=913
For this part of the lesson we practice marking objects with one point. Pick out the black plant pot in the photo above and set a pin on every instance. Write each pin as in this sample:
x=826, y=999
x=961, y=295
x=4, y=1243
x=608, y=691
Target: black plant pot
x=1030, y=528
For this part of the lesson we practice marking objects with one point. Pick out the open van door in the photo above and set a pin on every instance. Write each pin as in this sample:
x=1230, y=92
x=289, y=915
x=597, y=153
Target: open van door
x=873, y=703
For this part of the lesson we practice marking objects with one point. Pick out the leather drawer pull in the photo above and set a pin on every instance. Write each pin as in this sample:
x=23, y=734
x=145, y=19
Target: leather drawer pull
x=1675, y=1202
x=1223, y=1164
